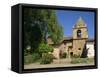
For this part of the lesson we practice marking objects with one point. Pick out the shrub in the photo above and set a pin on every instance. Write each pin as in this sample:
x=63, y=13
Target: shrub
x=31, y=58
x=75, y=56
x=64, y=55
x=26, y=52
x=35, y=57
x=79, y=60
x=28, y=59
x=45, y=48
x=46, y=58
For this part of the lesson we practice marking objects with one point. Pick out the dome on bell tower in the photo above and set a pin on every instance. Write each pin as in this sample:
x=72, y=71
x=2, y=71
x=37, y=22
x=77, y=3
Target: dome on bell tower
x=80, y=23
x=80, y=29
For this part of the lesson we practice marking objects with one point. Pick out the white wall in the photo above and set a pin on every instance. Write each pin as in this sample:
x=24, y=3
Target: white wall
x=5, y=38
x=90, y=47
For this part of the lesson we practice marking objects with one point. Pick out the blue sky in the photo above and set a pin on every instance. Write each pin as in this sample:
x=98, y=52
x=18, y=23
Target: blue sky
x=68, y=19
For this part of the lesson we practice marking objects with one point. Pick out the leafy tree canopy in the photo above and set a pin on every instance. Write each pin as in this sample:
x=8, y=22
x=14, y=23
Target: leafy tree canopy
x=38, y=25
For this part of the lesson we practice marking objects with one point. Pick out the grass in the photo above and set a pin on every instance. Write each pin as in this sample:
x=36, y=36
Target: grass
x=28, y=59
x=82, y=60
x=36, y=58
x=31, y=58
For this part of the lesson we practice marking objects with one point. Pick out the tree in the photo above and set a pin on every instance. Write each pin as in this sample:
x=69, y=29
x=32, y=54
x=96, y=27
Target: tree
x=45, y=48
x=55, y=30
x=38, y=25
x=32, y=32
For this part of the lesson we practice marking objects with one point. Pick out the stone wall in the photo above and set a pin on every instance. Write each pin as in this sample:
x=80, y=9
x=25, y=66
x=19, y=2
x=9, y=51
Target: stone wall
x=78, y=46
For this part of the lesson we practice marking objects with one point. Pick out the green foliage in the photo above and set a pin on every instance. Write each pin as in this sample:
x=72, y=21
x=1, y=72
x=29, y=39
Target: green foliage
x=26, y=52
x=45, y=48
x=28, y=59
x=38, y=24
x=54, y=28
x=46, y=58
x=79, y=60
x=36, y=56
x=31, y=58
x=64, y=55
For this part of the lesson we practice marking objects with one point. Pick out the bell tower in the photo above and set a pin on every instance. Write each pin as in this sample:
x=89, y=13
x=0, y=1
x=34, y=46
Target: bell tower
x=80, y=35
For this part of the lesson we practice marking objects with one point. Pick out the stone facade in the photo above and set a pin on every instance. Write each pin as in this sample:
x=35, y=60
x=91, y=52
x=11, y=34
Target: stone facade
x=78, y=46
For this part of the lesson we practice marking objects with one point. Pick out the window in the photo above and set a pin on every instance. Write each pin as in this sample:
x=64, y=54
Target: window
x=71, y=53
x=79, y=48
x=79, y=33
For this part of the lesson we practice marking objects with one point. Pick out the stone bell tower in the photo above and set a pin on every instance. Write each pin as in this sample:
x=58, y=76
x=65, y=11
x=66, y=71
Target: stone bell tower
x=80, y=35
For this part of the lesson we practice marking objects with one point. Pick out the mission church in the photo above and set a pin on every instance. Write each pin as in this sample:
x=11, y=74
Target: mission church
x=78, y=45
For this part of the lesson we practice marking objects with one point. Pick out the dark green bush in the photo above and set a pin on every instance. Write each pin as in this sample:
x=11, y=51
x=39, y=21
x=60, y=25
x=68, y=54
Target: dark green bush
x=26, y=52
x=64, y=55
x=46, y=58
